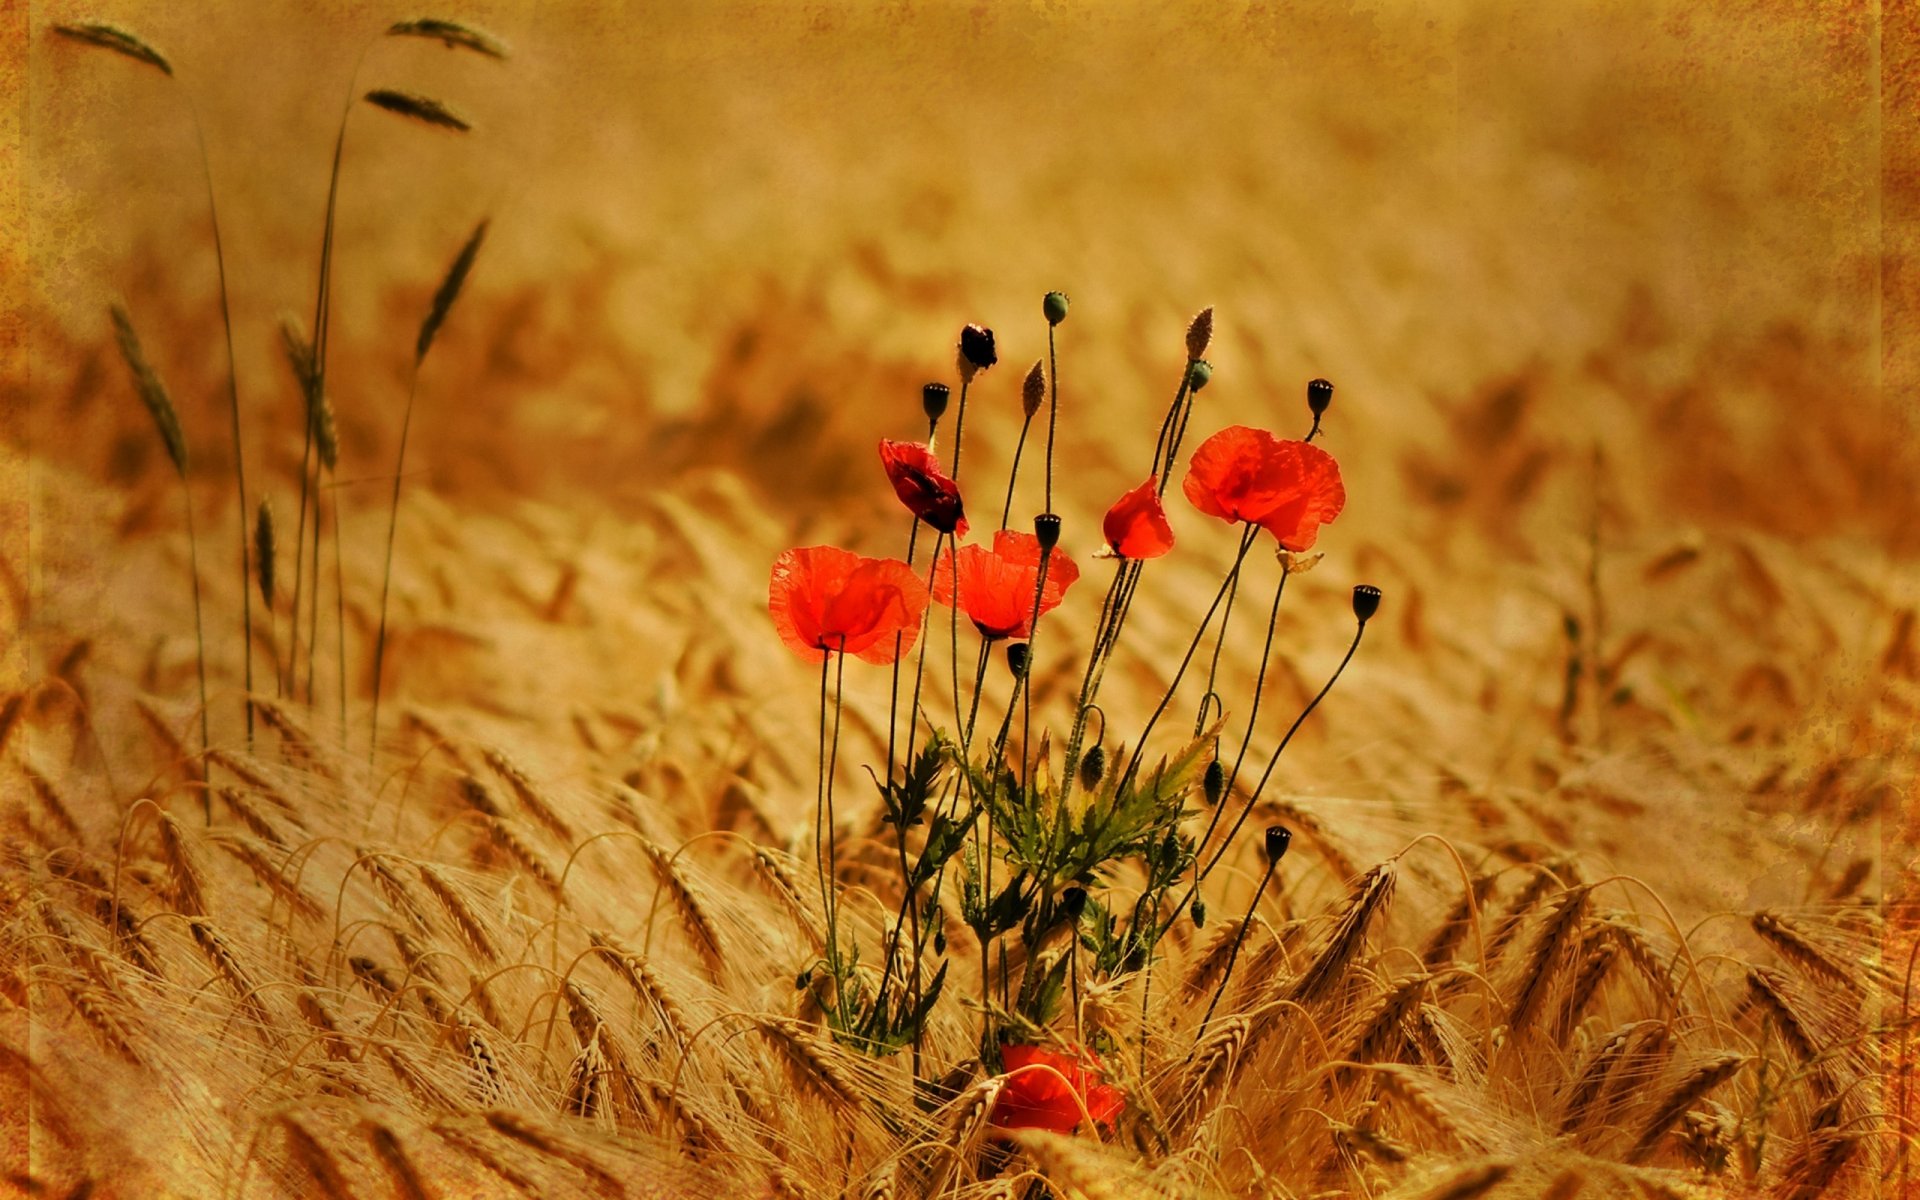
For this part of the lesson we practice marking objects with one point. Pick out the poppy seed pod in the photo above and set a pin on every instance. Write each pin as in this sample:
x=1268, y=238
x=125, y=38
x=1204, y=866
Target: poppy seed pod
x=1046, y=528
x=1214, y=783
x=1366, y=602
x=1319, y=395
x=1017, y=659
x=1279, y=837
x=1073, y=902
x=933, y=400
x=1200, y=332
x=1199, y=913
x=1199, y=373
x=1033, y=391
x=976, y=350
x=1055, y=307
x=1093, y=768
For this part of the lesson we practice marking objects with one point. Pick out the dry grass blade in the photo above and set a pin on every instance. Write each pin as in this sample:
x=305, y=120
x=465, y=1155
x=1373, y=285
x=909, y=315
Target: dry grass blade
x=452, y=34
x=420, y=108
x=153, y=393
x=449, y=290
x=112, y=37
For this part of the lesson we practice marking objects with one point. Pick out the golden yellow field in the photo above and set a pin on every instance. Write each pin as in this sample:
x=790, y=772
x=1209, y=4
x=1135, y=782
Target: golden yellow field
x=1614, y=296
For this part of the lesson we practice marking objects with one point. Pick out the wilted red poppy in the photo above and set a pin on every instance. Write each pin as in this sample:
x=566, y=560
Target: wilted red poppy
x=825, y=598
x=1288, y=488
x=997, y=586
x=917, y=480
x=1136, y=526
x=1048, y=1090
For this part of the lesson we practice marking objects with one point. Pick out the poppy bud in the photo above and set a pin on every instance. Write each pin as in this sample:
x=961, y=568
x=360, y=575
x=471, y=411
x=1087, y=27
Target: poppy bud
x=1034, y=391
x=1093, y=768
x=1017, y=659
x=1073, y=902
x=1319, y=395
x=1214, y=782
x=933, y=400
x=1199, y=913
x=1200, y=332
x=1046, y=530
x=1055, y=306
x=803, y=980
x=976, y=350
x=1199, y=373
x=939, y=941
x=1366, y=602
x=1278, y=839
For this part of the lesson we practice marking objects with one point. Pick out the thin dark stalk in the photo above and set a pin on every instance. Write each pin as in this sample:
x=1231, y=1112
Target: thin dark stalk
x=1140, y=749
x=1213, y=665
x=833, y=846
x=1053, y=412
x=199, y=634
x=386, y=573
x=1253, y=716
x=893, y=701
x=1006, y=510
x=1161, y=447
x=1233, y=952
x=340, y=618
x=233, y=406
x=1226, y=842
x=313, y=601
x=959, y=424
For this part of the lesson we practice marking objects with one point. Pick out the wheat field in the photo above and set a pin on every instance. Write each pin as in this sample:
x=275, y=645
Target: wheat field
x=1605, y=854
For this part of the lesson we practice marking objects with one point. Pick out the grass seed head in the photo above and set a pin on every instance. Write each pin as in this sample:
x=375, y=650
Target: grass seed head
x=153, y=393
x=452, y=34
x=424, y=109
x=119, y=41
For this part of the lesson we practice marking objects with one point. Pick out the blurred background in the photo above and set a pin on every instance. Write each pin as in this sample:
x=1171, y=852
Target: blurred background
x=1597, y=283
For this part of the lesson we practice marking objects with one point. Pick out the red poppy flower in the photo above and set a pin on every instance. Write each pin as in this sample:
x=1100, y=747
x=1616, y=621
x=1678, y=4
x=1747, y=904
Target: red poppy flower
x=997, y=586
x=1289, y=488
x=1048, y=1090
x=917, y=480
x=825, y=598
x=1136, y=526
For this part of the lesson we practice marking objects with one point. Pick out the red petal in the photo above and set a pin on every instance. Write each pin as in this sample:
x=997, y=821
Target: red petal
x=916, y=477
x=1136, y=526
x=825, y=598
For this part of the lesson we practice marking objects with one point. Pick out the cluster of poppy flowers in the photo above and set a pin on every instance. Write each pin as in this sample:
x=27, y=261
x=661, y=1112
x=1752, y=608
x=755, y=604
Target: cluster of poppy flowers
x=827, y=599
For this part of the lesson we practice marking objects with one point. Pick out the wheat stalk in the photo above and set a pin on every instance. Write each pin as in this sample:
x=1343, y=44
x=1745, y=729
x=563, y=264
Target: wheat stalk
x=443, y=299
